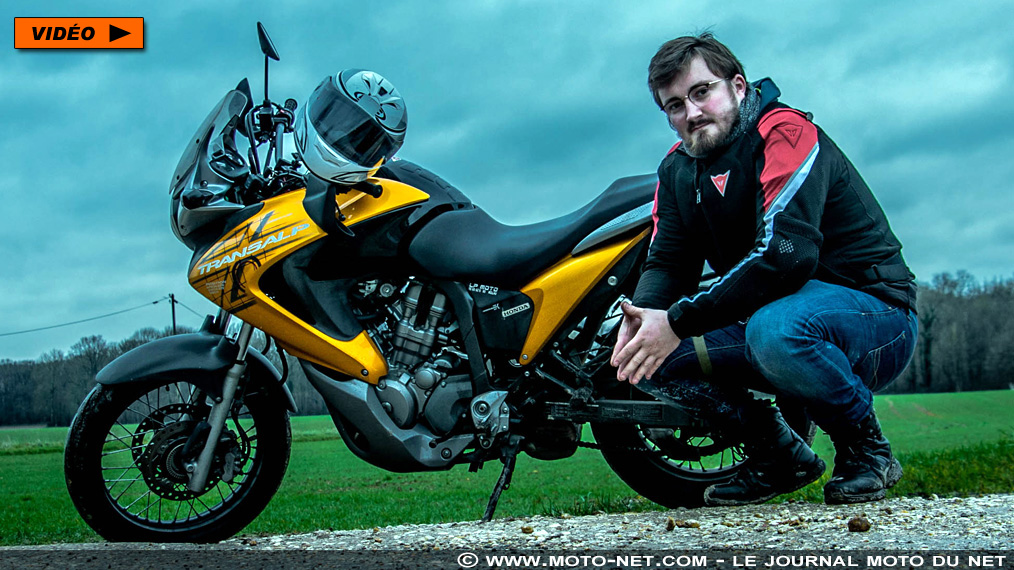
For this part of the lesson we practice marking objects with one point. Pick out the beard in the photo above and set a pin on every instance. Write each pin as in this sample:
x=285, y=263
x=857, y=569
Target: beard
x=713, y=133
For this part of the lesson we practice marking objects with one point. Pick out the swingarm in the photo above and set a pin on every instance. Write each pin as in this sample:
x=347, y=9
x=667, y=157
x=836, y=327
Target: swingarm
x=643, y=413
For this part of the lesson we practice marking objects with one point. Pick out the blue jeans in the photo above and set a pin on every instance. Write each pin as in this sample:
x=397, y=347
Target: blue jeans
x=826, y=346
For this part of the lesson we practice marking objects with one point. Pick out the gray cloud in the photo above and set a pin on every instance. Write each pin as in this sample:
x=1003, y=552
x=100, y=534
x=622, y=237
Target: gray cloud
x=531, y=108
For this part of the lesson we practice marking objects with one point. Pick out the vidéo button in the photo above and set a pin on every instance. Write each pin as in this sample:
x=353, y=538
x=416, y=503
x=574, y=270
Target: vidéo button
x=79, y=33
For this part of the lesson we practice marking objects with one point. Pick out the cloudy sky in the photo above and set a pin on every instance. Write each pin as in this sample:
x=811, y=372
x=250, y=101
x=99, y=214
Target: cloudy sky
x=530, y=107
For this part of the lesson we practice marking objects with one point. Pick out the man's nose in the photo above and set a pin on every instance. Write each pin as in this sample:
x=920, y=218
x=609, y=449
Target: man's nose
x=692, y=110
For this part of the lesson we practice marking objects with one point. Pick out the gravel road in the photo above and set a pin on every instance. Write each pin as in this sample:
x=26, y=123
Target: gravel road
x=975, y=523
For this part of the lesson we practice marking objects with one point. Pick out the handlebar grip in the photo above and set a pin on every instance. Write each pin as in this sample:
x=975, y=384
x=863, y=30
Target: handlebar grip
x=367, y=187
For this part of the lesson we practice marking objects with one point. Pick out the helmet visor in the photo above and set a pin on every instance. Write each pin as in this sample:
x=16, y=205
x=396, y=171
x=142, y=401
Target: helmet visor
x=347, y=128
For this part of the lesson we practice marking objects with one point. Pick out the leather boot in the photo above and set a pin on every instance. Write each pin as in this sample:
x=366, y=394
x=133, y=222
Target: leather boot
x=779, y=462
x=864, y=468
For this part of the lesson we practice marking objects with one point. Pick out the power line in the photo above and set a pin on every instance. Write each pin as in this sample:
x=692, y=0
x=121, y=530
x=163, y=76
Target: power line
x=178, y=302
x=85, y=320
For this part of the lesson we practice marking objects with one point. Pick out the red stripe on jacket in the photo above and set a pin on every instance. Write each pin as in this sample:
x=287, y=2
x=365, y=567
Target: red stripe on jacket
x=788, y=140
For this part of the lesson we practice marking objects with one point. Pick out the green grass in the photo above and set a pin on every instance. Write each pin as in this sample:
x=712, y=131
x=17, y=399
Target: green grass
x=950, y=444
x=985, y=467
x=32, y=440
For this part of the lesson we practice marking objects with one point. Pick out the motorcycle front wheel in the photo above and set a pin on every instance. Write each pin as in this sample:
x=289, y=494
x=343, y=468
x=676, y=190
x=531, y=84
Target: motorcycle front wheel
x=127, y=452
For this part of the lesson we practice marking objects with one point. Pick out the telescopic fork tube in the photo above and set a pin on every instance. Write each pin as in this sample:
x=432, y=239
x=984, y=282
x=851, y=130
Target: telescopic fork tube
x=219, y=412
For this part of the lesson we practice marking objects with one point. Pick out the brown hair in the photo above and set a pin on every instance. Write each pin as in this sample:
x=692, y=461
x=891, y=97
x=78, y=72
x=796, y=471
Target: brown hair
x=675, y=56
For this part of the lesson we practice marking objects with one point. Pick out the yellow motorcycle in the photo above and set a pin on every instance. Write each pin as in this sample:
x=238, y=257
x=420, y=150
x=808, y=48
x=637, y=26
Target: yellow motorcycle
x=436, y=335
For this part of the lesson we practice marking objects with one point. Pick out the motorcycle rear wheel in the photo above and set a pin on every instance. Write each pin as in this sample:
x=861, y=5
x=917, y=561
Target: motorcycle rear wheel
x=673, y=466
x=126, y=476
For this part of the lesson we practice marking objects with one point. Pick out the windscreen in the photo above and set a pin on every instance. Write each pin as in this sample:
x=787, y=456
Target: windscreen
x=230, y=106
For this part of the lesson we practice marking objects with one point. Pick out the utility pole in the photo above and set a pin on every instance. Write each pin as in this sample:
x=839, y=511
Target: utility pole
x=172, y=302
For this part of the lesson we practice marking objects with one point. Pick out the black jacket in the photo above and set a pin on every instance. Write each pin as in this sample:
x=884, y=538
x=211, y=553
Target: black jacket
x=778, y=206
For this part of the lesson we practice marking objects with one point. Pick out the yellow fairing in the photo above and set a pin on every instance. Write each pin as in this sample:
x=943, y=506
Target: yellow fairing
x=357, y=206
x=558, y=290
x=230, y=272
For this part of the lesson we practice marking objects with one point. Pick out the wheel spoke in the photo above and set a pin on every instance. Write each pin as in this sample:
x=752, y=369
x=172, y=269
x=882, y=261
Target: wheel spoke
x=114, y=452
x=691, y=452
x=127, y=508
x=206, y=507
x=118, y=497
x=124, y=472
x=119, y=439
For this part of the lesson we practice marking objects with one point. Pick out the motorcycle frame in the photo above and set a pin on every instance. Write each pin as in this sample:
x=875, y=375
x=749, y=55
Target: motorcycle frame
x=229, y=273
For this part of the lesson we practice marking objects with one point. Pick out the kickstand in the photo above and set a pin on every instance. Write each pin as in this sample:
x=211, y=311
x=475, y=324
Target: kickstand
x=509, y=456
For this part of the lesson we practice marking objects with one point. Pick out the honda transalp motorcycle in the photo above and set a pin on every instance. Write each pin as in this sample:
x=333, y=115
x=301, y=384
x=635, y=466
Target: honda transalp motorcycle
x=436, y=335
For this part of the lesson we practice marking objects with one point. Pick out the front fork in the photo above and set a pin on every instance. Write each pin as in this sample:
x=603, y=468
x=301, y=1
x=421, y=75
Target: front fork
x=201, y=469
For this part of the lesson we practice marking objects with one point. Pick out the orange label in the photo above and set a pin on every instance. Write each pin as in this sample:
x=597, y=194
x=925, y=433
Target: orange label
x=79, y=33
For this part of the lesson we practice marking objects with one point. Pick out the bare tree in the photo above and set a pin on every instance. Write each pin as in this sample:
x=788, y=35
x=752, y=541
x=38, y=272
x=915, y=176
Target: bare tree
x=48, y=376
x=16, y=392
x=93, y=351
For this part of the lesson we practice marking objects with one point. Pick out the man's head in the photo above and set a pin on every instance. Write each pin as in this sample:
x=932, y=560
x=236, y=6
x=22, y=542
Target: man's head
x=699, y=84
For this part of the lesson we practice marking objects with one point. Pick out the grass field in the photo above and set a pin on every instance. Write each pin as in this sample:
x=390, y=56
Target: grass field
x=949, y=443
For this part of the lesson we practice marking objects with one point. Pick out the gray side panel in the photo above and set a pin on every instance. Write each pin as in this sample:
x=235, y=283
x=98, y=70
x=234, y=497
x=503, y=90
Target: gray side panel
x=633, y=219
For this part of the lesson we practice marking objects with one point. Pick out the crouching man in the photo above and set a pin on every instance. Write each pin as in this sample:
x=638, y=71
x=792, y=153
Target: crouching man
x=814, y=302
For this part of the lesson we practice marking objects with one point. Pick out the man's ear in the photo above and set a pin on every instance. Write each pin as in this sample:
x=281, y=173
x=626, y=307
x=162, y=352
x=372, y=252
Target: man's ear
x=739, y=86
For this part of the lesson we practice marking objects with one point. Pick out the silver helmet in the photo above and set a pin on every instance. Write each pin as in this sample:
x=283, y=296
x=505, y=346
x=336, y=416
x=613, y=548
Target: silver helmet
x=350, y=125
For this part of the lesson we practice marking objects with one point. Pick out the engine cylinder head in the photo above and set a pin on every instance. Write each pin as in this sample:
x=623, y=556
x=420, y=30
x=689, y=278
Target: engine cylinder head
x=414, y=337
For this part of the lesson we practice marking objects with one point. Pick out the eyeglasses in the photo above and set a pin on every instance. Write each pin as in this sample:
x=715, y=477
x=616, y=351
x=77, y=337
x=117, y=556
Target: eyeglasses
x=698, y=95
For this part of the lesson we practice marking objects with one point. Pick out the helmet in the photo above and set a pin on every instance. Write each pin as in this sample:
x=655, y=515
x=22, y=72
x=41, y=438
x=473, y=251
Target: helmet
x=350, y=125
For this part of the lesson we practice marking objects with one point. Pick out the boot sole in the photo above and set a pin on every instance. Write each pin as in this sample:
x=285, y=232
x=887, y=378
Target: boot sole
x=808, y=477
x=838, y=497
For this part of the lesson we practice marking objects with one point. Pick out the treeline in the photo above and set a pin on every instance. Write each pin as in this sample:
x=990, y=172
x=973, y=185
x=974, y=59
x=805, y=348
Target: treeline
x=966, y=337
x=966, y=342
x=49, y=390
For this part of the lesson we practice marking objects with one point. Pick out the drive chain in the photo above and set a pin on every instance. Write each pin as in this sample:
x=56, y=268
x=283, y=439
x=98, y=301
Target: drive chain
x=628, y=449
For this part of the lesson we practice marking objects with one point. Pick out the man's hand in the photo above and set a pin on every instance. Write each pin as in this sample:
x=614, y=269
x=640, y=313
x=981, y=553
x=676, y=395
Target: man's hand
x=628, y=328
x=644, y=341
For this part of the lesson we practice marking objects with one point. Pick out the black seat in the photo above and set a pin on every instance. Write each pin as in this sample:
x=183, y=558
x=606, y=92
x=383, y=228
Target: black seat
x=469, y=245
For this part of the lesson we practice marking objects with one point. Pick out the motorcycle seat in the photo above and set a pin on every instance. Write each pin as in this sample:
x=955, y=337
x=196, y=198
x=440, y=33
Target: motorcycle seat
x=469, y=245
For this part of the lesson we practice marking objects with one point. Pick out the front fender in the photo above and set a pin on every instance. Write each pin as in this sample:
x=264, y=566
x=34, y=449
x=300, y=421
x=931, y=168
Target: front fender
x=199, y=355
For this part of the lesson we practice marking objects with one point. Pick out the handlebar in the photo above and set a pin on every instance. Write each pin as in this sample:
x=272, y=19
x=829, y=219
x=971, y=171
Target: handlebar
x=268, y=123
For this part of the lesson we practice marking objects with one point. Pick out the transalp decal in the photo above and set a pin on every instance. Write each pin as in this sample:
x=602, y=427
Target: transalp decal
x=253, y=247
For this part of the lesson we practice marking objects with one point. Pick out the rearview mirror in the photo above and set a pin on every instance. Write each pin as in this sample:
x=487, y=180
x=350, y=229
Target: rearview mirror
x=267, y=47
